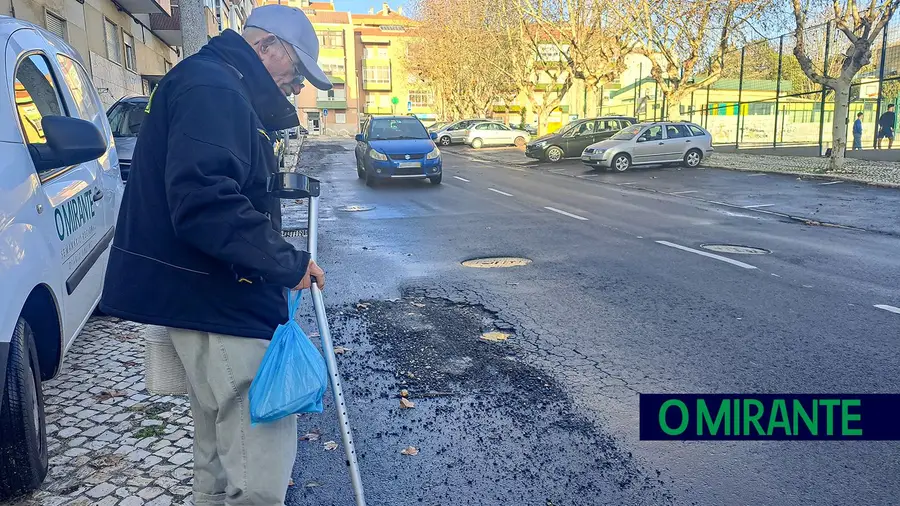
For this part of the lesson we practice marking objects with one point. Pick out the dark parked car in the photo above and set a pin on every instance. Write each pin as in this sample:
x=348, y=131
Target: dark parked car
x=397, y=147
x=570, y=141
x=125, y=118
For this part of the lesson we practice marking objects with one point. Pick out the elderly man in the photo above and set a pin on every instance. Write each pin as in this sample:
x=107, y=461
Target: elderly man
x=198, y=248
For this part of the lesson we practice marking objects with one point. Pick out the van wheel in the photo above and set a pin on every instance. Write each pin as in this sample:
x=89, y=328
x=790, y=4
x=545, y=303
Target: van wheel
x=23, y=435
x=692, y=158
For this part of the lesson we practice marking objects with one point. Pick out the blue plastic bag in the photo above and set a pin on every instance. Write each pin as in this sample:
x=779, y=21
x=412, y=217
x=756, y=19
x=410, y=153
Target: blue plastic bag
x=292, y=377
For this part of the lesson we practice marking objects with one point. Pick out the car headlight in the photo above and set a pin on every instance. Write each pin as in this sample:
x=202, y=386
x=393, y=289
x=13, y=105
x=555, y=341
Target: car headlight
x=375, y=155
x=435, y=153
x=540, y=144
x=599, y=151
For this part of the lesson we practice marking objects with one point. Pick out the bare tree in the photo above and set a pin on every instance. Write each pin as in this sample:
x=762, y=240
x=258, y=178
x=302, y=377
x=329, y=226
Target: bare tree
x=683, y=38
x=861, y=28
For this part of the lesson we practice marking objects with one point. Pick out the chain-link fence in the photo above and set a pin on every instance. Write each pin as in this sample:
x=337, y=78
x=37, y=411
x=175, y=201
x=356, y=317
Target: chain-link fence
x=764, y=99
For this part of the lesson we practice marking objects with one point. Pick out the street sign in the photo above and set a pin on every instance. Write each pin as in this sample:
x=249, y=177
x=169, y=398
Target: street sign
x=325, y=112
x=409, y=106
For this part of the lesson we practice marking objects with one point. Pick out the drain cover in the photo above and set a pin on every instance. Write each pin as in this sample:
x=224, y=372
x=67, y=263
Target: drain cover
x=355, y=209
x=735, y=249
x=492, y=262
x=294, y=232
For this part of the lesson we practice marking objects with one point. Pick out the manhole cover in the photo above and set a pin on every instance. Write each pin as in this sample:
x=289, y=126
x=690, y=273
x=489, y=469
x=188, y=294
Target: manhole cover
x=355, y=209
x=735, y=249
x=294, y=232
x=491, y=262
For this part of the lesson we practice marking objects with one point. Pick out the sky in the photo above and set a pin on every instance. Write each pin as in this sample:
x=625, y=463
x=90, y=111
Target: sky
x=363, y=6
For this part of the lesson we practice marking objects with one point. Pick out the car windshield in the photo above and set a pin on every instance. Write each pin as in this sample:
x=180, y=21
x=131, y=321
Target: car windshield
x=626, y=134
x=566, y=130
x=125, y=118
x=397, y=128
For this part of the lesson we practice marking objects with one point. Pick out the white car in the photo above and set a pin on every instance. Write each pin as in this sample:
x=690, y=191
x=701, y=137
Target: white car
x=60, y=192
x=491, y=133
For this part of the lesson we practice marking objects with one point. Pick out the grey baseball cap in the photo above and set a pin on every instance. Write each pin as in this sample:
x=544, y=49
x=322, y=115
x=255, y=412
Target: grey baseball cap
x=292, y=26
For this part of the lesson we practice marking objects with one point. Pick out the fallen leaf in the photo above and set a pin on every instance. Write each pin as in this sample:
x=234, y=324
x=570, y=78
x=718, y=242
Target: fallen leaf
x=495, y=336
x=340, y=350
x=290, y=483
x=410, y=450
x=312, y=435
x=109, y=394
x=330, y=445
x=363, y=305
x=406, y=403
x=312, y=484
x=404, y=393
x=418, y=304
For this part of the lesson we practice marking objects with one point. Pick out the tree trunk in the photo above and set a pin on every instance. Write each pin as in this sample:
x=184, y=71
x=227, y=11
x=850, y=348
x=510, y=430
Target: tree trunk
x=839, y=125
x=673, y=107
x=543, y=118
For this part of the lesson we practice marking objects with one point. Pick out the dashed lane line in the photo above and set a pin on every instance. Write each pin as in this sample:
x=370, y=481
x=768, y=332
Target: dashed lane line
x=500, y=192
x=564, y=213
x=684, y=192
x=464, y=180
x=707, y=254
x=830, y=182
x=757, y=206
x=891, y=309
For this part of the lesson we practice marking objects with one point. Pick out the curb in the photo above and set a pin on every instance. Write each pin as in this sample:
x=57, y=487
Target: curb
x=831, y=177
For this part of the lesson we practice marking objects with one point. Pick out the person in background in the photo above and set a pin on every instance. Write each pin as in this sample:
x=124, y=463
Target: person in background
x=886, y=126
x=198, y=247
x=857, y=131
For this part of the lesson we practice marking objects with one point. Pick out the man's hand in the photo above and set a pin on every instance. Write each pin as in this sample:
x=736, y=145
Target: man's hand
x=312, y=271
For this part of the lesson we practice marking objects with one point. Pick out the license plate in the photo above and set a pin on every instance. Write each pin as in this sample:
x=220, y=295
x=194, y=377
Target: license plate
x=586, y=158
x=409, y=165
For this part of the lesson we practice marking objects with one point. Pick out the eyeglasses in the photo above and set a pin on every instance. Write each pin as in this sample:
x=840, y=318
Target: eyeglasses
x=298, y=70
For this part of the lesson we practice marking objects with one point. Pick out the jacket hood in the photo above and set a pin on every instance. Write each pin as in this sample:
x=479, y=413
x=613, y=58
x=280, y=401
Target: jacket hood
x=275, y=111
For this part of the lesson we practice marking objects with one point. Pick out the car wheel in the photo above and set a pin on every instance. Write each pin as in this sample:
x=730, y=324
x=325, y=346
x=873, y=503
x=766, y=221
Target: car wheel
x=371, y=180
x=554, y=154
x=436, y=179
x=23, y=435
x=477, y=143
x=519, y=142
x=621, y=162
x=692, y=158
x=360, y=171
x=445, y=140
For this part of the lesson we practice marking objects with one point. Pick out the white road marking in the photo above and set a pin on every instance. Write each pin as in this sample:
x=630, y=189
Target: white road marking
x=830, y=182
x=776, y=275
x=464, y=180
x=756, y=206
x=500, y=192
x=631, y=182
x=892, y=309
x=684, y=192
x=479, y=161
x=707, y=254
x=570, y=215
x=751, y=175
x=588, y=175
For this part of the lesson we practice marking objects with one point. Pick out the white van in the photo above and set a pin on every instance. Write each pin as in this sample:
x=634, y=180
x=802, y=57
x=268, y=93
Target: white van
x=60, y=192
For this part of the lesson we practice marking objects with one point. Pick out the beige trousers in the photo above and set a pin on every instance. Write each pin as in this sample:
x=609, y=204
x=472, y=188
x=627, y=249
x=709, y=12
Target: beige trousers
x=234, y=463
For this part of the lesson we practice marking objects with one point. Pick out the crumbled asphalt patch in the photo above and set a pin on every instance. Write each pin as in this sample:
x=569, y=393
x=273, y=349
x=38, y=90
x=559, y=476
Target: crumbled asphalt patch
x=497, y=430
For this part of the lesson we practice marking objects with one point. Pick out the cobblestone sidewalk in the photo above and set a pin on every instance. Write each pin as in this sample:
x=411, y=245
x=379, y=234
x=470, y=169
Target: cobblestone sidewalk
x=863, y=171
x=110, y=442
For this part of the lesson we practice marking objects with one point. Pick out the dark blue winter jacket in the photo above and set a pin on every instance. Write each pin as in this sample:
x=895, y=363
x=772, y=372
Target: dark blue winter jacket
x=198, y=243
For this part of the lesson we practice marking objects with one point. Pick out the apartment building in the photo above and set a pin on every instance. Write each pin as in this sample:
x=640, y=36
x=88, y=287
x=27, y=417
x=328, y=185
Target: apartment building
x=127, y=45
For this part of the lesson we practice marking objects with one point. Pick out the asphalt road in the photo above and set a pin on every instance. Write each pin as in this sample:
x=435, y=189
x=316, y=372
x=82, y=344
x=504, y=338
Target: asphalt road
x=618, y=300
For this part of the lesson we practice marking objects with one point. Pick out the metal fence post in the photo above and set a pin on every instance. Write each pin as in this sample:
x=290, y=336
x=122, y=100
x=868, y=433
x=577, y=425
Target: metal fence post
x=602, y=92
x=737, y=133
x=884, y=43
x=636, y=84
x=655, y=96
x=692, y=106
x=824, y=88
x=778, y=89
x=708, y=109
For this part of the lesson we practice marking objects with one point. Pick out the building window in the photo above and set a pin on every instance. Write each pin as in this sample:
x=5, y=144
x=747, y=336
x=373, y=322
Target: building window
x=55, y=24
x=130, y=59
x=331, y=39
x=332, y=69
x=340, y=118
x=377, y=75
x=421, y=98
x=383, y=52
x=111, y=33
x=338, y=92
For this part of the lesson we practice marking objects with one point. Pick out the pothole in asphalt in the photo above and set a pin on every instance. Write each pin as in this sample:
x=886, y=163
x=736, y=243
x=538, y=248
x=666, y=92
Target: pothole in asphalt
x=355, y=209
x=735, y=249
x=496, y=262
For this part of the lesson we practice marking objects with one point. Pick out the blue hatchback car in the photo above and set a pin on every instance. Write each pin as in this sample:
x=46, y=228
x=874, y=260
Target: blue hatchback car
x=397, y=147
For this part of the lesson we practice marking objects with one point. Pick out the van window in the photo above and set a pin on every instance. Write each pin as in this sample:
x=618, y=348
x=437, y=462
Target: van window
x=80, y=86
x=36, y=97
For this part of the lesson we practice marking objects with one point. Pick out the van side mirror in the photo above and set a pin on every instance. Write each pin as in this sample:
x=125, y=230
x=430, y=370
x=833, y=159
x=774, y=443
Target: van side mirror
x=70, y=141
x=433, y=136
x=360, y=138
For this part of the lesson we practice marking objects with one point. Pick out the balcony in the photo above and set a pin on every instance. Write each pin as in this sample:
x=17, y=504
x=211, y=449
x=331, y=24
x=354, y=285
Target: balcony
x=162, y=7
x=376, y=86
x=331, y=103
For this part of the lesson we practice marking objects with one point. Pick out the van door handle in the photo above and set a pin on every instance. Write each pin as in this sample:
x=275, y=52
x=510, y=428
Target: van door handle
x=98, y=194
x=688, y=141
x=661, y=143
